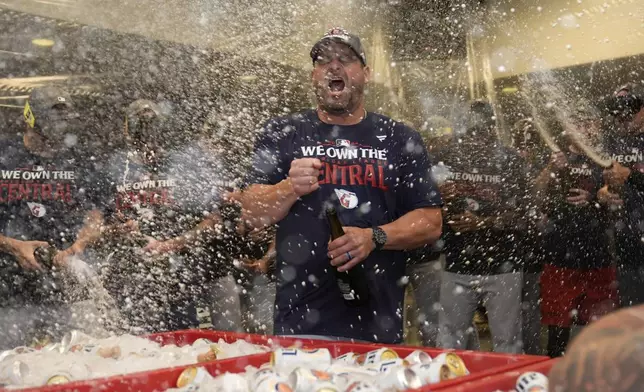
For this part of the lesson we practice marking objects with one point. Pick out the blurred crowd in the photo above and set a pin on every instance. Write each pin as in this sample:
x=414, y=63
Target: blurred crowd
x=125, y=238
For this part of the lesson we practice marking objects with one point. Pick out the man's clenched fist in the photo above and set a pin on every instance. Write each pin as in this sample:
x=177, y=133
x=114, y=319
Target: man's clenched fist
x=304, y=175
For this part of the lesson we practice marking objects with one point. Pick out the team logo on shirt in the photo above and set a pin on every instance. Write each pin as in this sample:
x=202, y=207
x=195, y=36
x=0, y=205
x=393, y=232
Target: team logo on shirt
x=38, y=210
x=342, y=143
x=381, y=137
x=348, y=200
x=472, y=205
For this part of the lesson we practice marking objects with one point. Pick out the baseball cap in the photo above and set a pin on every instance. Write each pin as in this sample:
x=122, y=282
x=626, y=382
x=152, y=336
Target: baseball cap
x=338, y=34
x=48, y=104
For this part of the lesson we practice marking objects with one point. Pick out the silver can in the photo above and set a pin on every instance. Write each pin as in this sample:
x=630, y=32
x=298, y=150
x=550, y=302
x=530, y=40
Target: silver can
x=347, y=359
x=432, y=373
x=454, y=363
x=303, y=379
x=264, y=375
x=346, y=370
x=379, y=355
x=13, y=372
x=418, y=356
x=272, y=384
x=192, y=376
x=532, y=382
x=202, y=342
x=399, y=379
x=95, y=349
x=75, y=337
x=290, y=358
x=385, y=366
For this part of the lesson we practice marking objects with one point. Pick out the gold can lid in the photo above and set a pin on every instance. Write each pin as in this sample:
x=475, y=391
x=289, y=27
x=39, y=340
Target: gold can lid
x=58, y=379
x=187, y=377
x=456, y=365
x=388, y=354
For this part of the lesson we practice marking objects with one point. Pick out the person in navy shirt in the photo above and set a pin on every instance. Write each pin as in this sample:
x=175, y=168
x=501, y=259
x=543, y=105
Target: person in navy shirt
x=373, y=170
x=624, y=140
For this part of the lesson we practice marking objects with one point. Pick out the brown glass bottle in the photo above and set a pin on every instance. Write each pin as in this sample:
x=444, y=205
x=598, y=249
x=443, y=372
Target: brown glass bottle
x=45, y=255
x=353, y=283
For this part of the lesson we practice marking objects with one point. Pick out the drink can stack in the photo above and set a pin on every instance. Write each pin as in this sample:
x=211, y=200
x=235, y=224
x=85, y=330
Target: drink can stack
x=273, y=364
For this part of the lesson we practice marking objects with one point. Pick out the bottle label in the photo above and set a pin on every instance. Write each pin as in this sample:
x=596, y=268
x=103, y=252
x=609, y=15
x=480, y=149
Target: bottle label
x=346, y=291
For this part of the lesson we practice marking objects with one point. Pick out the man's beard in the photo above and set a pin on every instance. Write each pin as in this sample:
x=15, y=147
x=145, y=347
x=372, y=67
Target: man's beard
x=342, y=106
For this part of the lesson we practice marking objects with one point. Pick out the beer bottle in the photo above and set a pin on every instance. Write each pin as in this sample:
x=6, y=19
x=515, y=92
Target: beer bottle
x=353, y=283
x=45, y=255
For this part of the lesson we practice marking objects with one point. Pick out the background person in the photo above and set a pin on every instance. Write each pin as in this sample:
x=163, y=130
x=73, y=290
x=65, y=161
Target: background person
x=46, y=199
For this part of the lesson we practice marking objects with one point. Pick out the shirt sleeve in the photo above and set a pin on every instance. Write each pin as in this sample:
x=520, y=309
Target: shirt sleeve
x=272, y=154
x=417, y=188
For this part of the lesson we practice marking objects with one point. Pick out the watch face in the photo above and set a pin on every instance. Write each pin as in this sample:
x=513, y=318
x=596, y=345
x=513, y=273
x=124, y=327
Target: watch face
x=380, y=237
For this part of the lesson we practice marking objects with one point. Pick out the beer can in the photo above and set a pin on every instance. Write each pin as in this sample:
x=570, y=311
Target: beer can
x=209, y=355
x=348, y=359
x=95, y=349
x=265, y=374
x=385, y=366
x=285, y=358
x=454, y=363
x=72, y=372
x=59, y=378
x=432, y=373
x=399, y=379
x=418, y=356
x=54, y=347
x=379, y=355
x=189, y=388
x=13, y=372
x=75, y=337
x=361, y=386
x=532, y=382
x=268, y=380
x=339, y=369
x=202, y=342
x=192, y=375
x=302, y=379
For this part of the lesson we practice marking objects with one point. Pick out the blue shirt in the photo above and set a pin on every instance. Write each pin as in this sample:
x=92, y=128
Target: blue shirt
x=41, y=199
x=628, y=222
x=372, y=173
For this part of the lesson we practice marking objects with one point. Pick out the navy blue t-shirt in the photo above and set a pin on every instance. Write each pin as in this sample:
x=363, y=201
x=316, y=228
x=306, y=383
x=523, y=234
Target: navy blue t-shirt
x=373, y=173
x=629, y=222
x=489, y=181
x=575, y=236
x=166, y=198
x=41, y=199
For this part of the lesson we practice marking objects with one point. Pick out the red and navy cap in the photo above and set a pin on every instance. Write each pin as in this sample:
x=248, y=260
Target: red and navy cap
x=338, y=34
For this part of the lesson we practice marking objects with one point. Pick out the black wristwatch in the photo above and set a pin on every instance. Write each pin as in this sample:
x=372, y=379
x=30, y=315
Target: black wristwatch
x=379, y=238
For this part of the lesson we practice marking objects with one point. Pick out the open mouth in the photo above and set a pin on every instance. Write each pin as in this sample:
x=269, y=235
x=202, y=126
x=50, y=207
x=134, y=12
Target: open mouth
x=336, y=84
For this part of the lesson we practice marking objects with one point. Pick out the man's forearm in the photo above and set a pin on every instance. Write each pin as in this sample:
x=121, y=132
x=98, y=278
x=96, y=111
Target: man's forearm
x=90, y=232
x=414, y=229
x=265, y=205
x=6, y=244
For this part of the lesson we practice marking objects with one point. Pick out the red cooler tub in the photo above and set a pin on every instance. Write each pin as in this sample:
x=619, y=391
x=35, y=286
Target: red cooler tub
x=481, y=365
x=504, y=382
